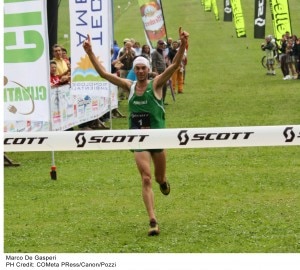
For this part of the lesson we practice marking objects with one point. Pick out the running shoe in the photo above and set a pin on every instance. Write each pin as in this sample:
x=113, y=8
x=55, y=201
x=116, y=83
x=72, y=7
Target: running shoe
x=165, y=188
x=153, y=230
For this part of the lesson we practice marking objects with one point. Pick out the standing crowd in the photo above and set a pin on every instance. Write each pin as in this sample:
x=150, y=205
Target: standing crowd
x=286, y=53
x=159, y=58
x=60, y=66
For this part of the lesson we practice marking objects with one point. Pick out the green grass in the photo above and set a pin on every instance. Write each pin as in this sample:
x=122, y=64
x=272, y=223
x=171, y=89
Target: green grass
x=224, y=200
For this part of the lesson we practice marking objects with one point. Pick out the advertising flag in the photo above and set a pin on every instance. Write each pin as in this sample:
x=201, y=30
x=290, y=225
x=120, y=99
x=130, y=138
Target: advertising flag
x=153, y=21
x=227, y=11
x=207, y=5
x=280, y=17
x=238, y=18
x=26, y=66
x=259, y=18
x=215, y=9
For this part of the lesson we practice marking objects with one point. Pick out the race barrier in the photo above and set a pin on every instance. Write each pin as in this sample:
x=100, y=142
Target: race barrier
x=251, y=136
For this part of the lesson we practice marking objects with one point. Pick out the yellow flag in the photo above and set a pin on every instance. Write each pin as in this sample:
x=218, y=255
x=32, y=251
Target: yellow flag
x=280, y=17
x=238, y=18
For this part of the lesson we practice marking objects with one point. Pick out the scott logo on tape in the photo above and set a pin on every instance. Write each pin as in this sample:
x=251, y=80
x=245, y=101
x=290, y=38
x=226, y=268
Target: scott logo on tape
x=80, y=139
x=214, y=136
x=289, y=134
x=183, y=137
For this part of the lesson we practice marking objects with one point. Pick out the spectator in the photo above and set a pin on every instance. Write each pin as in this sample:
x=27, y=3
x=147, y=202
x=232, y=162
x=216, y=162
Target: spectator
x=294, y=54
x=169, y=44
x=63, y=71
x=122, y=49
x=65, y=56
x=177, y=77
x=165, y=52
x=137, y=48
x=54, y=79
x=126, y=57
x=146, y=52
x=116, y=50
x=159, y=64
x=282, y=58
x=269, y=48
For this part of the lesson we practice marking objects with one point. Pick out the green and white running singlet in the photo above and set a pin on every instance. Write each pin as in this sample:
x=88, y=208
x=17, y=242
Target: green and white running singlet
x=145, y=111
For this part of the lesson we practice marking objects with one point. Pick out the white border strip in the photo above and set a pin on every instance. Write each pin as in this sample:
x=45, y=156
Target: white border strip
x=153, y=138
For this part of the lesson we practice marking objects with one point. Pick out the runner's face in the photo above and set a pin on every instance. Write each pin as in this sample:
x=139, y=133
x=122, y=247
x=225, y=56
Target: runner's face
x=141, y=72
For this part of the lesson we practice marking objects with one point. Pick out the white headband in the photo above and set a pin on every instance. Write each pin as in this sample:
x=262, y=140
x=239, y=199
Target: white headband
x=141, y=61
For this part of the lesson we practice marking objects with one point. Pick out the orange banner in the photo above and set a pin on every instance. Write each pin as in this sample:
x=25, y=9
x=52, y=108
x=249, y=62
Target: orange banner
x=153, y=20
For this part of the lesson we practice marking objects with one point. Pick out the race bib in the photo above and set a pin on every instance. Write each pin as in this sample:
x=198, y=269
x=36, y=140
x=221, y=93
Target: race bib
x=140, y=120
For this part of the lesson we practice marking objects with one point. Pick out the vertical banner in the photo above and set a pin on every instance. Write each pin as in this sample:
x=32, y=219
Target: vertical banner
x=215, y=9
x=227, y=11
x=26, y=66
x=153, y=21
x=259, y=18
x=93, y=94
x=238, y=18
x=280, y=17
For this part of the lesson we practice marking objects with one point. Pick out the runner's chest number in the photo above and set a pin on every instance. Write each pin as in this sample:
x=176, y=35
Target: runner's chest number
x=140, y=120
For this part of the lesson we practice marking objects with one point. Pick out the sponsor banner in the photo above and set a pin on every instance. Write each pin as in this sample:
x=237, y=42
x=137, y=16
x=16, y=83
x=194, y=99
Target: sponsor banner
x=227, y=11
x=153, y=21
x=153, y=138
x=69, y=109
x=238, y=18
x=89, y=17
x=259, y=18
x=280, y=17
x=92, y=95
x=26, y=66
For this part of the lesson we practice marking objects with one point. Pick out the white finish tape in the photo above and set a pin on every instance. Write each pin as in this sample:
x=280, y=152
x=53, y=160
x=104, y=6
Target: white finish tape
x=152, y=138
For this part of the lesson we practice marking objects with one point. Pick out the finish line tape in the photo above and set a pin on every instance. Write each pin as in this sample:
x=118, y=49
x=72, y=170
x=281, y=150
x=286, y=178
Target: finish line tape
x=152, y=138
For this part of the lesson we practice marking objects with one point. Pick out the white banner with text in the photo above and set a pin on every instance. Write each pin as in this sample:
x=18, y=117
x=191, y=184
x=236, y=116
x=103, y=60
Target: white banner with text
x=153, y=138
x=26, y=66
